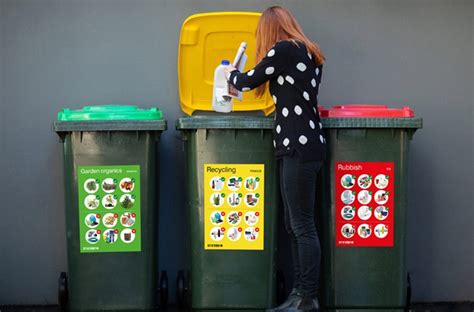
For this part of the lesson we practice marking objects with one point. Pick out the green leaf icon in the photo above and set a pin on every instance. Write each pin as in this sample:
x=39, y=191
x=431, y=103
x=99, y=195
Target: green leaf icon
x=222, y=179
x=133, y=196
x=370, y=192
x=222, y=195
x=257, y=179
x=97, y=181
x=240, y=194
x=115, y=197
x=387, y=177
x=257, y=195
x=240, y=179
x=133, y=180
x=97, y=197
x=115, y=180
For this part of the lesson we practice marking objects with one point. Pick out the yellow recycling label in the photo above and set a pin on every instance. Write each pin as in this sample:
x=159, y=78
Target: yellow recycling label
x=234, y=206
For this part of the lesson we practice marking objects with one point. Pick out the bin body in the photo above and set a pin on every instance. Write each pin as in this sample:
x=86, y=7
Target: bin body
x=122, y=273
x=232, y=277
x=363, y=247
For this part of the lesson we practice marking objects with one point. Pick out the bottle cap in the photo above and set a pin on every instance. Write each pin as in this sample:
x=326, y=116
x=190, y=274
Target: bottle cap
x=225, y=62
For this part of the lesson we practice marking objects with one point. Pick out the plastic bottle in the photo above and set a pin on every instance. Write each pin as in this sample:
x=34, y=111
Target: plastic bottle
x=220, y=101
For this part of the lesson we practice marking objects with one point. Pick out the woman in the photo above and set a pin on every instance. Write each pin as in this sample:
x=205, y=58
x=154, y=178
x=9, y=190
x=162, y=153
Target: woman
x=291, y=65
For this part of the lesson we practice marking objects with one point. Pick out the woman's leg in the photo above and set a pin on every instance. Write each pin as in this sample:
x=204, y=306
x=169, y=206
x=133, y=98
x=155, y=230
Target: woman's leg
x=293, y=241
x=299, y=187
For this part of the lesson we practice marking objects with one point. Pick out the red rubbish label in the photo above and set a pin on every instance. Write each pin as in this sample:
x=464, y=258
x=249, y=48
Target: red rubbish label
x=364, y=204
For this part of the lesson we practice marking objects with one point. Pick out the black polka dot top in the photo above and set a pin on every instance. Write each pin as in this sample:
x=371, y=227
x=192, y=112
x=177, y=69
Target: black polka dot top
x=294, y=80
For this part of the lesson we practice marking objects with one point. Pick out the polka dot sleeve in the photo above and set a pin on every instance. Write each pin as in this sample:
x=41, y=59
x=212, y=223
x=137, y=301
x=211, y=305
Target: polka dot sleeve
x=271, y=66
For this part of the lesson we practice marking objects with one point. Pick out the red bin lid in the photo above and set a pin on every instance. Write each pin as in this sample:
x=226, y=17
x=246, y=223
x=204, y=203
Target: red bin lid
x=366, y=111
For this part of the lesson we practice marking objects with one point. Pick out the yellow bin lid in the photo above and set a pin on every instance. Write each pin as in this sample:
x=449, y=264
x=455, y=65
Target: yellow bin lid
x=205, y=40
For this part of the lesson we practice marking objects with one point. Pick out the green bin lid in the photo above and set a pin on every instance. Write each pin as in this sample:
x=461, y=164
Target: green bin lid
x=110, y=112
x=110, y=118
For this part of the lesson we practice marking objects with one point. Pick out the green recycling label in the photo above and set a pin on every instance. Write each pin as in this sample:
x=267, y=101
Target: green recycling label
x=109, y=208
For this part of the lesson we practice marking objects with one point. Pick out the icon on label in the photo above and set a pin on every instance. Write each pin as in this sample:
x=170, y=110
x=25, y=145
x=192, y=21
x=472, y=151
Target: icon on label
x=364, y=212
x=92, y=220
x=110, y=236
x=251, y=183
x=348, y=230
x=217, y=183
x=91, y=202
x=109, y=185
x=127, y=201
x=234, y=217
x=127, y=236
x=347, y=212
x=110, y=219
x=381, y=231
x=251, y=233
x=251, y=200
x=217, y=217
x=364, y=197
x=234, y=183
x=364, y=230
x=348, y=197
x=381, y=181
x=347, y=181
x=127, y=185
x=251, y=218
x=217, y=234
x=381, y=197
x=128, y=219
x=91, y=186
x=234, y=234
x=109, y=201
x=217, y=199
x=93, y=236
x=381, y=213
x=234, y=199
x=364, y=181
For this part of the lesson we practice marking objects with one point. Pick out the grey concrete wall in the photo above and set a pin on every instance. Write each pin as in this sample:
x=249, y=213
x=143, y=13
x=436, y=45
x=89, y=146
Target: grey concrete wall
x=58, y=54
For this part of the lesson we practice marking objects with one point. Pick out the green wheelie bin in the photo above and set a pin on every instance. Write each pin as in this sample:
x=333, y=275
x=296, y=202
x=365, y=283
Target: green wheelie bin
x=362, y=223
x=111, y=207
x=232, y=190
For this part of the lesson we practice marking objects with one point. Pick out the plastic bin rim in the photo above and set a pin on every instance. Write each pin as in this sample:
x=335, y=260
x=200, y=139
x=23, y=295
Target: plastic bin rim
x=109, y=125
x=224, y=122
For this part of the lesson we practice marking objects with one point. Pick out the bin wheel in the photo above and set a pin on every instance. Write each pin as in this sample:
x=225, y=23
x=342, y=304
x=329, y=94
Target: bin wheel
x=63, y=291
x=164, y=289
x=281, y=287
x=180, y=288
x=408, y=298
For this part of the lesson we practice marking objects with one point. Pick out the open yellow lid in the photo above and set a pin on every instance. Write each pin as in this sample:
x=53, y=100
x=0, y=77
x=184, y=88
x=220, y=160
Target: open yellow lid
x=206, y=39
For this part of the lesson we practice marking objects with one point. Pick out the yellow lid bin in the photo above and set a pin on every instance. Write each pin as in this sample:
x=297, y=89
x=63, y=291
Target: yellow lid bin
x=205, y=40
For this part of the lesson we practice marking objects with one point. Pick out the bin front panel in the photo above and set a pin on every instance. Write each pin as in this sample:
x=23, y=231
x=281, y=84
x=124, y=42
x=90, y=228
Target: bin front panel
x=113, y=280
x=231, y=279
x=364, y=277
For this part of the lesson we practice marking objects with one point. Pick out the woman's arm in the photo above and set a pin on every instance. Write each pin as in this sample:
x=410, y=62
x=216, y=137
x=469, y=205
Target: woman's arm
x=271, y=65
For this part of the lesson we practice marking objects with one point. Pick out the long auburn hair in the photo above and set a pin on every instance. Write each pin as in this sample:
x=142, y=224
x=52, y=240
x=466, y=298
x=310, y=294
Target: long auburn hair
x=276, y=24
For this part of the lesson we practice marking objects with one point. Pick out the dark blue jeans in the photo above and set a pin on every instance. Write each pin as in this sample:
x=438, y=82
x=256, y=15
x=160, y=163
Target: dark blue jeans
x=298, y=189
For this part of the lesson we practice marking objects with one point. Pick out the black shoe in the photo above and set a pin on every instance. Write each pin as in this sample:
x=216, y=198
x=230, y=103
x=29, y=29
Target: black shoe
x=303, y=304
x=293, y=297
x=308, y=304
